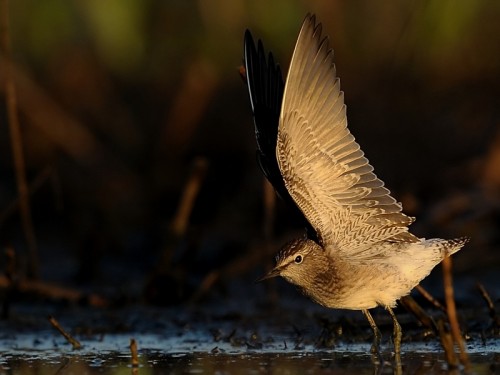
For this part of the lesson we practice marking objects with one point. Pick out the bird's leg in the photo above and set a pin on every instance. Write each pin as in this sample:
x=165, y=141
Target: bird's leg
x=376, y=335
x=397, y=332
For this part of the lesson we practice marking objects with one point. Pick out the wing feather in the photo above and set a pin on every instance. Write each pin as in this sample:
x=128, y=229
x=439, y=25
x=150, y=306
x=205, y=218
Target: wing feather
x=323, y=168
x=265, y=88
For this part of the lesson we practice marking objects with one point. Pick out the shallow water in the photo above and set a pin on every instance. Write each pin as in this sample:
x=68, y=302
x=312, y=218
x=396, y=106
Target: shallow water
x=155, y=362
x=196, y=352
x=232, y=339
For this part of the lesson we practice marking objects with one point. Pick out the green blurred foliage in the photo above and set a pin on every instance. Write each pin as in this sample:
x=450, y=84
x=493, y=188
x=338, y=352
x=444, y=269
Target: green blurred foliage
x=134, y=36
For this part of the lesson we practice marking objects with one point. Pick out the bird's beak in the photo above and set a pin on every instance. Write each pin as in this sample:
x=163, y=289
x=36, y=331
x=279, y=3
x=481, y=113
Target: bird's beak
x=276, y=271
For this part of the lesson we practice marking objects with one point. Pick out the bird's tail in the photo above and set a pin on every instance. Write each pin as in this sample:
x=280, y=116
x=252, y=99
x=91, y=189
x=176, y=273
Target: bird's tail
x=450, y=247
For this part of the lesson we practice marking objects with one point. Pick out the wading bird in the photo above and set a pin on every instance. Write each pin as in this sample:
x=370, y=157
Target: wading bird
x=357, y=252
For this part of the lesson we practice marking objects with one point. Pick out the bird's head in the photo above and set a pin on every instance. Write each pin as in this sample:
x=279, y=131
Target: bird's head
x=299, y=261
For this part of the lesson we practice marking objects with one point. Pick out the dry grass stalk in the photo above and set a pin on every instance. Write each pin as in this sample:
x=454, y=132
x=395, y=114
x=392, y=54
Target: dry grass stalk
x=411, y=305
x=491, y=308
x=52, y=291
x=178, y=229
x=452, y=312
x=133, y=353
x=430, y=298
x=74, y=342
x=191, y=191
x=17, y=143
x=448, y=345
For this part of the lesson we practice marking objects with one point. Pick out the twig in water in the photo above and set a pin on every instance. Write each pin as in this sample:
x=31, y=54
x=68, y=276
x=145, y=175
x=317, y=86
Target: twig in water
x=447, y=342
x=491, y=308
x=452, y=312
x=430, y=298
x=411, y=305
x=64, y=365
x=74, y=342
x=133, y=353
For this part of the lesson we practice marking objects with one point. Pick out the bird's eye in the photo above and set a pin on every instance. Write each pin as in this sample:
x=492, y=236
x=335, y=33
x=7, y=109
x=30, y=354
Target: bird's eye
x=298, y=259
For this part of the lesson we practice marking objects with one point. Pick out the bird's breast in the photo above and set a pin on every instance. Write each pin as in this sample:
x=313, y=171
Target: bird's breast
x=357, y=287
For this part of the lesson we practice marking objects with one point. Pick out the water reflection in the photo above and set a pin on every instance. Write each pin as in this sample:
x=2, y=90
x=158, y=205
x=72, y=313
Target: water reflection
x=250, y=363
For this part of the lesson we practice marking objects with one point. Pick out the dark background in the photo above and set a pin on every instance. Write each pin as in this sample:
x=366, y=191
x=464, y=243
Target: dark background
x=122, y=104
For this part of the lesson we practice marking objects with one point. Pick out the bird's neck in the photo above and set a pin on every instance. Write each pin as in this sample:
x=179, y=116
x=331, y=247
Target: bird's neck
x=323, y=282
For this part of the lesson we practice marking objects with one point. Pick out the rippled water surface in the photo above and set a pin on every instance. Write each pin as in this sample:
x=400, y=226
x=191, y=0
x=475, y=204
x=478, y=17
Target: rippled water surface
x=175, y=342
x=250, y=362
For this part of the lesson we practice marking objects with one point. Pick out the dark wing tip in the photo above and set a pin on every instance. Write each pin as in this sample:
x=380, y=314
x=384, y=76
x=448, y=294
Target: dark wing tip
x=266, y=86
x=248, y=42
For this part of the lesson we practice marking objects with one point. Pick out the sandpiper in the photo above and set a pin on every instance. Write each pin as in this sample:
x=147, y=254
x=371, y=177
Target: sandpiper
x=357, y=252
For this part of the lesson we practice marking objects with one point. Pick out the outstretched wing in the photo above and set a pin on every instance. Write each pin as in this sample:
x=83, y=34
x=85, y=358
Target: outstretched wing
x=265, y=86
x=322, y=166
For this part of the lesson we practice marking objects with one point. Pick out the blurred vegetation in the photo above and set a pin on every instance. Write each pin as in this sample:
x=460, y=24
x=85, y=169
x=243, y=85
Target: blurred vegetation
x=123, y=103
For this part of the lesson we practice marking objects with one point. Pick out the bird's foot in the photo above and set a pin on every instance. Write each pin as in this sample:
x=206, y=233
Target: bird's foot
x=377, y=337
x=375, y=348
x=397, y=333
